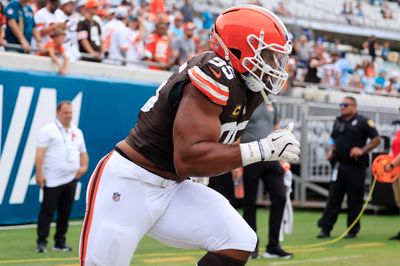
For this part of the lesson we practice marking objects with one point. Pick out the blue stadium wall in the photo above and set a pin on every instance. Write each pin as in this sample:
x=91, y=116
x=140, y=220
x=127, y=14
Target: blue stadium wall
x=104, y=109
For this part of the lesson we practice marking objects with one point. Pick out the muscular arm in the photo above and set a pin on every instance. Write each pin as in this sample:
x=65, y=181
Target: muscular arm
x=64, y=67
x=86, y=45
x=196, y=133
x=396, y=160
x=18, y=33
x=15, y=29
x=40, y=179
x=356, y=151
x=51, y=28
x=331, y=149
x=84, y=162
x=372, y=144
x=53, y=57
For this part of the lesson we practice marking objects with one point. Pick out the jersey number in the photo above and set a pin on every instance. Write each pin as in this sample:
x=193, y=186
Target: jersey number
x=232, y=129
x=150, y=102
x=226, y=69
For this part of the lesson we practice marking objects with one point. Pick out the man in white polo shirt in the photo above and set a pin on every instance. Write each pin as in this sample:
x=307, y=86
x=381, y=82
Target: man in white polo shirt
x=61, y=159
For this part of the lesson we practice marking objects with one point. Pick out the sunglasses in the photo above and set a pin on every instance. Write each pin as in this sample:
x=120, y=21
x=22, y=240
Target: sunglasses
x=344, y=105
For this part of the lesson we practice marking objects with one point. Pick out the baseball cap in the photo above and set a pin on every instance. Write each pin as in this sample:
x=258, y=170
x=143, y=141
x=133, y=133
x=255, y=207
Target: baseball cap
x=63, y=2
x=122, y=12
x=91, y=4
x=103, y=12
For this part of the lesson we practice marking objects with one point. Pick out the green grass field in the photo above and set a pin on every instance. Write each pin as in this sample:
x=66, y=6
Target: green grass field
x=370, y=248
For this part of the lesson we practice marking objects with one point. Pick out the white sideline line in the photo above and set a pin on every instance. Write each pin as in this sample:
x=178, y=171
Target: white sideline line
x=315, y=260
x=29, y=226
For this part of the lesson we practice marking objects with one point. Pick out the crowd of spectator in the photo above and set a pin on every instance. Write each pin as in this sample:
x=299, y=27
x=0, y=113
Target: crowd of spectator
x=120, y=32
x=156, y=34
x=327, y=63
x=349, y=13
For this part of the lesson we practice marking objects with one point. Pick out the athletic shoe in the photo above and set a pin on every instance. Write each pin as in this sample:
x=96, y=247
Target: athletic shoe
x=350, y=235
x=277, y=253
x=324, y=234
x=64, y=248
x=395, y=237
x=254, y=255
x=41, y=248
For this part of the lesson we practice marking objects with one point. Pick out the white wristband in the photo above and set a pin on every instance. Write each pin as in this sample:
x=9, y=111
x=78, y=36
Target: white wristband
x=250, y=152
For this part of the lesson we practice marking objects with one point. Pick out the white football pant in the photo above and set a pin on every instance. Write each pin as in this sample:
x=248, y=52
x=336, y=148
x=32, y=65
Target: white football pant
x=125, y=202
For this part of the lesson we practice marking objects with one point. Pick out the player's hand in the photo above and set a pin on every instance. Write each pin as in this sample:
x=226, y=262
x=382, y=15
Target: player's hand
x=25, y=45
x=356, y=152
x=40, y=45
x=62, y=70
x=280, y=144
x=40, y=181
x=62, y=25
x=388, y=167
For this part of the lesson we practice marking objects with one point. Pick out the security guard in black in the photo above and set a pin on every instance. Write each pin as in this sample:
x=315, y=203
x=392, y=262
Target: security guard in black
x=348, y=134
x=348, y=154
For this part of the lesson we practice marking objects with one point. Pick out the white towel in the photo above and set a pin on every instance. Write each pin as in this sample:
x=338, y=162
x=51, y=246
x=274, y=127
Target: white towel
x=287, y=218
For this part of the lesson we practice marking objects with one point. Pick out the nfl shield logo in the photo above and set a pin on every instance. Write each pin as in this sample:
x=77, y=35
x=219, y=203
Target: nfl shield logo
x=116, y=196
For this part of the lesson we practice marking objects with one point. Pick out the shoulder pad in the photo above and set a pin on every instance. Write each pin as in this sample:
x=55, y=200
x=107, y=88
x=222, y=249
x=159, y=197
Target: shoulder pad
x=209, y=81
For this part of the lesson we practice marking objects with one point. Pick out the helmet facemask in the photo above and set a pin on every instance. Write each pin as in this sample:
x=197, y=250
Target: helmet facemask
x=266, y=69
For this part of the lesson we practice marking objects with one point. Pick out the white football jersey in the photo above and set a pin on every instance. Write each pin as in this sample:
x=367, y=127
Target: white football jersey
x=136, y=48
x=71, y=45
x=43, y=19
x=116, y=39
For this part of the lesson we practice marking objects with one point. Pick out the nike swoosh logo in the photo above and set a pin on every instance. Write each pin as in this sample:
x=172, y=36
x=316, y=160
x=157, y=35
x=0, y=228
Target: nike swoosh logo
x=273, y=139
x=216, y=74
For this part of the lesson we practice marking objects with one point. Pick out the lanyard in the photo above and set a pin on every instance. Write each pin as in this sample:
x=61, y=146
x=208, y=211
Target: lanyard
x=60, y=128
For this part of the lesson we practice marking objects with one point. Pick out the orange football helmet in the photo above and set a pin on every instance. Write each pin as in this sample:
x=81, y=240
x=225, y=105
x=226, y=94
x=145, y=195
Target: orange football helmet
x=255, y=42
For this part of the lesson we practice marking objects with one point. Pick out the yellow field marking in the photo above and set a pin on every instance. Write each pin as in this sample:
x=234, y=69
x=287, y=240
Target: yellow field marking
x=174, y=259
x=170, y=254
x=68, y=264
x=365, y=245
x=149, y=255
x=35, y=260
x=30, y=226
x=304, y=250
x=311, y=261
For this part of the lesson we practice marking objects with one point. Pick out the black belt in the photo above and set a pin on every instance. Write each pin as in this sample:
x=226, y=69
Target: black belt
x=123, y=154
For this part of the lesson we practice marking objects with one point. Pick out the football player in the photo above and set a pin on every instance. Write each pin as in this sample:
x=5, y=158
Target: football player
x=189, y=128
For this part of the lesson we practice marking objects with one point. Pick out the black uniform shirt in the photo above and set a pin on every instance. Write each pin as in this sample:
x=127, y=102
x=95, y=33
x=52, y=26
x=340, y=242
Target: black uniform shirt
x=352, y=133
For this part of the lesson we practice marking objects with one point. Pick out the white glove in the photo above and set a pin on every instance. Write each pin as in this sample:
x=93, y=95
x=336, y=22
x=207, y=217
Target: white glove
x=280, y=144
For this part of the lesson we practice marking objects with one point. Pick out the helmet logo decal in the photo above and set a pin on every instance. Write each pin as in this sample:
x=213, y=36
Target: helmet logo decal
x=259, y=51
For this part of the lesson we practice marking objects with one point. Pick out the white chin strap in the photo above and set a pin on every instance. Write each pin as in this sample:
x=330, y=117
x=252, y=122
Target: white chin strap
x=255, y=85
